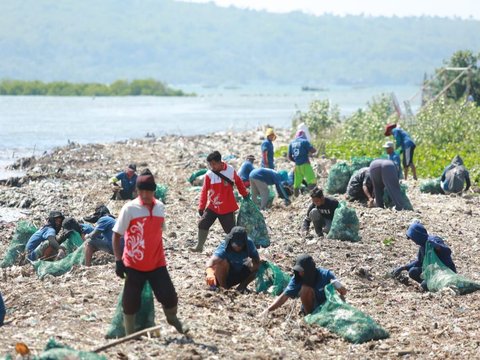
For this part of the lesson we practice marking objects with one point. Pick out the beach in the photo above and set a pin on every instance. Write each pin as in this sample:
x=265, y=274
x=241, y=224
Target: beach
x=77, y=308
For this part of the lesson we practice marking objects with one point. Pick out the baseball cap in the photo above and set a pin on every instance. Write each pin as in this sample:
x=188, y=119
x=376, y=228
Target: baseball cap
x=388, y=144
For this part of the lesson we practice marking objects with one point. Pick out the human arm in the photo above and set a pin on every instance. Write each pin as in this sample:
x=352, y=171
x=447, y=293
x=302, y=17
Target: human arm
x=290, y=153
x=240, y=185
x=306, y=220
x=279, y=301
x=202, y=204
x=342, y=290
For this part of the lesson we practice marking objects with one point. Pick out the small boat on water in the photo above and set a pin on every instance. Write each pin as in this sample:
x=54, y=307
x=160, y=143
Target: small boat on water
x=312, y=88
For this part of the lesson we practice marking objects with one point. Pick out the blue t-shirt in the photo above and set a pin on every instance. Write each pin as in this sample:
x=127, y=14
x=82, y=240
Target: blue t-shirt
x=270, y=177
x=105, y=225
x=323, y=278
x=86, y=228
x=37, y=238
x=396, y=160
x=245, y=170
x=236, y=259
x=402, y=139
x=298, y=150
x=267, y=146
x=128, y=185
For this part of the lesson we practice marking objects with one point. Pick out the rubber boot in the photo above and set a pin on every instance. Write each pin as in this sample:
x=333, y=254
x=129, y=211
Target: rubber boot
x=296, y=192
x=172, y=319
x=129, y=324
x=202, y=237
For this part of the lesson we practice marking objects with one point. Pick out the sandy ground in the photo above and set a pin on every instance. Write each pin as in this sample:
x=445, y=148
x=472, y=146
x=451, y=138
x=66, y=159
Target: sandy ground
x=77, y=308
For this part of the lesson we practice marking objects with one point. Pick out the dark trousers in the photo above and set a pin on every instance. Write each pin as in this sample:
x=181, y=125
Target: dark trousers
x=415, y=274
x=160, y=282
x=226, y=220
x=384, y=174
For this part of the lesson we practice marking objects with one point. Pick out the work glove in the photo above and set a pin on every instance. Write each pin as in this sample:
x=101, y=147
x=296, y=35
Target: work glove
x=397, y=271
x=200, y=212
x=210, y=278
x=120, y=269
x=247, y=197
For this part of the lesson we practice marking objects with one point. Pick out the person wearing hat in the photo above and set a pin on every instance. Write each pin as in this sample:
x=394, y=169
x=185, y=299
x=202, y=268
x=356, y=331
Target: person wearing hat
x=217, y=200
x=127, y=179
x=360, y=187
x=260, y=179
x=392, y=155
x=235, y=261
x=246, y=169
x=403, y=141
x=383, y=173
x=142, y=259
x=268, y=149
x=100, y=239
x=308, y=282
x=419, y=235
x=321, y=212
x=43, y=243
x=299, y=151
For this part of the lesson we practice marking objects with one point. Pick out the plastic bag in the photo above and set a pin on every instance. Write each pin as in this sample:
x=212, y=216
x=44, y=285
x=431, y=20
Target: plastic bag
x=388, y=203
x=196, y=174
x=144, y=318
x=161, y=192
x=60, y=267
x=338, y=178
x=345, y=320
x=345, y=224
x=439, y=276
x=23, y=232
x=431, y=186
x=250, y=217
x=271, y=279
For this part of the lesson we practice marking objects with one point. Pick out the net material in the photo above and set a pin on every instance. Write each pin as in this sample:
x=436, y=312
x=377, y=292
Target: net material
x=60, y=267
x=431, y=186
x=338, y=178
x=406, y=201
x=250, y=217
x=196, y=174
x=144, y=318
x=54, y=351
x=271, y=279
x=161, y=192
x=23, y=232
x=73, y=242
x=439, y=276
x=345, y=224
x=345, y=320
x=360, y=162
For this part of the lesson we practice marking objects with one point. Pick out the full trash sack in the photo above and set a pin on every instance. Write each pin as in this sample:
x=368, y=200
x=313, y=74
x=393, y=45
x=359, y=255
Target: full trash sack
x=360, y=162
x=60, y=267
x=338, y=178
x=387, y=200
x=144, y=318
x=345, y=320
x=250, y=217
x=345, y=224
x=161, y=192
x=439, y=276
x=431, y=186
x=73, y=242
x=23, y=232
x=271, y=279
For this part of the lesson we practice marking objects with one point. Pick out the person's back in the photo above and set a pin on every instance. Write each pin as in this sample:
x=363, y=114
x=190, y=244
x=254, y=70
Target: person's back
x=245, y=170
x=454, y=176
x=355, y=184
x=402, y=138
x=268, y=176
x=299, y=150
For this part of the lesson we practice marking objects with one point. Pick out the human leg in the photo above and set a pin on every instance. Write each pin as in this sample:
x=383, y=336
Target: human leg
x=415, y=273
x=377, y=182
x=297, y=179
x=204, y=225
x=131, y=301
x=307, y=296
x=309, y=175
x=227, y=221
x=264, y=194
x=390, y=179
x=317, y=219
x=221, y=270
x=255, y=191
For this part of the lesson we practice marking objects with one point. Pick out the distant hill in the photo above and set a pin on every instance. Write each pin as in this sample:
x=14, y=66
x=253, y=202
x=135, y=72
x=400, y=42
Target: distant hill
x=176, y=42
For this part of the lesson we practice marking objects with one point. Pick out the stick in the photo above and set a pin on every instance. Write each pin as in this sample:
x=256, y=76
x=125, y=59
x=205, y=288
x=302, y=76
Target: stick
x=127, y=338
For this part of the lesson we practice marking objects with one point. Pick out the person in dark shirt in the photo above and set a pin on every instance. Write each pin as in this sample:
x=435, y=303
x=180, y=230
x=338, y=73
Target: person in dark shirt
x=123, y=184
x=360, y=187
x=320, y=212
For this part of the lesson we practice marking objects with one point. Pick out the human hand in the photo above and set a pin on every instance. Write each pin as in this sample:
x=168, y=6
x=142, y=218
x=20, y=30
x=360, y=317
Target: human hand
x=61, y=254
x=210, y=278
x=370, y=203
x=397, y=271
x=247, y=197
x=120, y=269
x=200, y=212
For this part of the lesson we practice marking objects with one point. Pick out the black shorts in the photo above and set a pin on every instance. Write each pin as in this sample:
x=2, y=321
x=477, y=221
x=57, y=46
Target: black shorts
x=408, y=156
x=209, y=216
x=236, y=277
x=160, y=283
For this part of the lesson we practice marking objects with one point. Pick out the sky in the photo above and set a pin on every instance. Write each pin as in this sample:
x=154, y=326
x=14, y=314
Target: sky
x=444, y=8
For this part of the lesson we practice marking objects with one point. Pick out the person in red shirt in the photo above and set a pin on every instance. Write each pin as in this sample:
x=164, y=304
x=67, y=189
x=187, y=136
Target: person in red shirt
x=217, y=191
x=143, y=259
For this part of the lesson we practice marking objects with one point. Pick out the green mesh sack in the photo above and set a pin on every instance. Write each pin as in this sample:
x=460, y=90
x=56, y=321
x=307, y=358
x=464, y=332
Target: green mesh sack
x=250, y=217
x=73, y=242
x=56, y=351
x=431, y=186
x=271, y=196
x=23, y=232
x=271, y=279
x=161, y=192
x=345, y=320
x=387, y=200
x=144, y=318
x=196, y=174
x=360, y=162
x=338, y=178
x=60, y=267
x=439, y=276
x=345, y=224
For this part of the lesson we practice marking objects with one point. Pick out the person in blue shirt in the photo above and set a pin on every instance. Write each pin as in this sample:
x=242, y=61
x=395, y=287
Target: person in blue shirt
x=43, y=243
x=235, y=261
x=419, y=235
x=260, y=179
x=308, y=283
x=455, y=177
x=299, y=151
x=100, y=239
x=403, y=141
x=268, y=149
x=246, y=169
x=127, y=179
x=392, y=155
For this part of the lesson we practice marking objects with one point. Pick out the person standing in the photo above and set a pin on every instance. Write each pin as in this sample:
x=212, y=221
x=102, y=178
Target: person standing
x=127, y=179
x=384, y=174
x=268, y=149
x=403, y=141
x=143, y=258
x=299, y=151
x=217, y=199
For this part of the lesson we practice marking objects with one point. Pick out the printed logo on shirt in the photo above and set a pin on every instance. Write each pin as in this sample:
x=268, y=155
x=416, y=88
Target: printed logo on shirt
x=136, y=243
x=215, y=200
